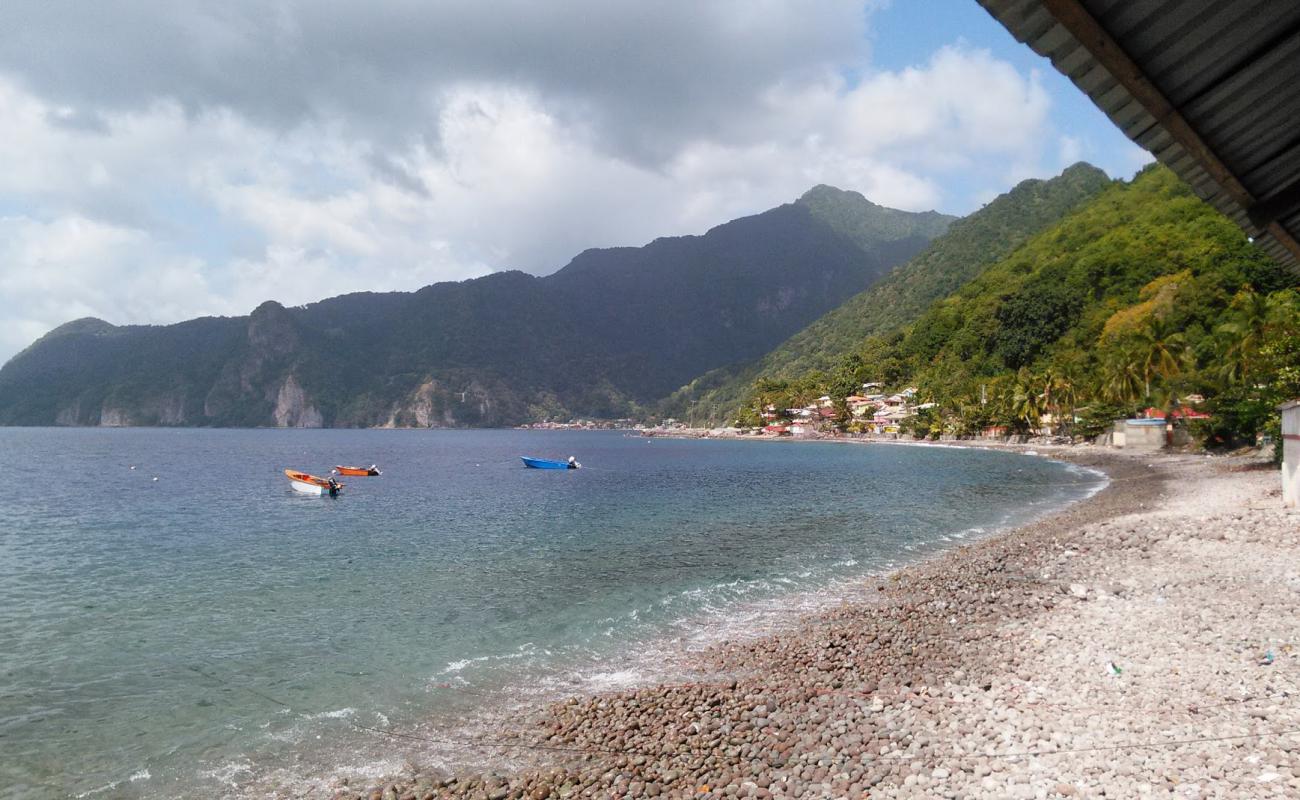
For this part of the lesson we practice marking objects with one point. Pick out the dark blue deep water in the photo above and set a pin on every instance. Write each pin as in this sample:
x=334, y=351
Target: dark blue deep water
x=211, y=633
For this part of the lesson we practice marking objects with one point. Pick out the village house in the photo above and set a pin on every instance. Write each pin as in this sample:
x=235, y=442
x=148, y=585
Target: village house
x=859, y=405
x=888, y=419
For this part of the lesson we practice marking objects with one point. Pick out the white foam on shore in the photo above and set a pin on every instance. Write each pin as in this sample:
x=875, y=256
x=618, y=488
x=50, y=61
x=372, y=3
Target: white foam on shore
x=135, y=777
x=227, y=774
x=105, y=788
x=453, y=668
x=456, y=666
x=338, y=713
x=616, y=679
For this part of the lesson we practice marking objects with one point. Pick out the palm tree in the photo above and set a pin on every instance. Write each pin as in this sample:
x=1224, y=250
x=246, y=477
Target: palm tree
x=1060, y=394
x=1164, y=351
x=1123, y=379
x=1026, y=404
x=1254, y=317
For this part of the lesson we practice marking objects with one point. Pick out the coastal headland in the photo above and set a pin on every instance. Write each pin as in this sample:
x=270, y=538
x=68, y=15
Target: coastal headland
x=1142, y=642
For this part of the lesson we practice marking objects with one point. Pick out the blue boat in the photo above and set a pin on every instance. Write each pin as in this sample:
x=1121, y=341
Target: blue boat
x=546, y=463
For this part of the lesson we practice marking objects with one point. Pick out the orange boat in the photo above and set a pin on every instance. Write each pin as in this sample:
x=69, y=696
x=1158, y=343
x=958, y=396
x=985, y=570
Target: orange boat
x=362, y=471
x=310, y=484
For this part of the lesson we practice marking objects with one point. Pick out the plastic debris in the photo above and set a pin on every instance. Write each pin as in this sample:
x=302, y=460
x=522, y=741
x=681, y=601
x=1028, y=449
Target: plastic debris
x=1267, y=659
x=1113, y=669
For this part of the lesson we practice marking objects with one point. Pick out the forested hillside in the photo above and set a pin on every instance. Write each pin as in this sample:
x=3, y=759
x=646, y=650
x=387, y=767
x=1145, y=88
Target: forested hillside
x=970, y=245
x=1145, y=296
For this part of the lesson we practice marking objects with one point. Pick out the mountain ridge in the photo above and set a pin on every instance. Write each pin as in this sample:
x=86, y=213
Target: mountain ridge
x=613, y=329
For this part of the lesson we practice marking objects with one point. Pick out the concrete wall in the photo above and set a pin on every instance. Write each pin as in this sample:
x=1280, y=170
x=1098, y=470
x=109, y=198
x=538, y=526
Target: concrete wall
x=1143, y=435
x=1291, y=453
x=1117, y=433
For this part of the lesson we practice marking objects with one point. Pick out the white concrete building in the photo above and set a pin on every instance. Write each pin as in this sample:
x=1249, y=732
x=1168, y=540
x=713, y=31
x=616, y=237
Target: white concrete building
x=1290, y=453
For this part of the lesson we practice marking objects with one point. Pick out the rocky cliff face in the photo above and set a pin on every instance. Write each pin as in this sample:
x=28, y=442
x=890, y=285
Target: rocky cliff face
x=292, y=408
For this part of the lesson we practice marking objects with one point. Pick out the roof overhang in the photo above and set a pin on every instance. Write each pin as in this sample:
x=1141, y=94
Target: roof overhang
x=1210, y=88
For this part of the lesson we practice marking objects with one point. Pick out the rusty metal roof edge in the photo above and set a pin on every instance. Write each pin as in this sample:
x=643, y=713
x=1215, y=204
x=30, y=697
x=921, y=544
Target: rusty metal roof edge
x=1030, y=23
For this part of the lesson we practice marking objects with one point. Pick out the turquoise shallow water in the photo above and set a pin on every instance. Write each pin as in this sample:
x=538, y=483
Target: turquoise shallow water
x=211, y=633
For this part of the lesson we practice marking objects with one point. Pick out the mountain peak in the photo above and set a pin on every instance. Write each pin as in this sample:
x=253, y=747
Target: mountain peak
x=866, y=223
x=824, y=192
x=1084, y=168
x=268, y=308
x=87, y=325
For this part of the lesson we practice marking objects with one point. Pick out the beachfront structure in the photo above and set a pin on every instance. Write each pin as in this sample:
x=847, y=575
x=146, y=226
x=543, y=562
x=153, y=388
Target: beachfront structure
x=1290, y=453
x=1138, y=434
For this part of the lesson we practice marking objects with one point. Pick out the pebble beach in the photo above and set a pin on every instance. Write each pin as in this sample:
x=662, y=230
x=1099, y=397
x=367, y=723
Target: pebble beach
x=1144, y=642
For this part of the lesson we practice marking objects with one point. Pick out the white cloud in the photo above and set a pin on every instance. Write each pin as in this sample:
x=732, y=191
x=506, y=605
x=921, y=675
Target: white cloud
x=184, y=195
x=1070, y=150
x=74, y=267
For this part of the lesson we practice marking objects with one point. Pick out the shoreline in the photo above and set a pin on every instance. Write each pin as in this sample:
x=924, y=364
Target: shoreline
x=678, y=654
x=902, y=649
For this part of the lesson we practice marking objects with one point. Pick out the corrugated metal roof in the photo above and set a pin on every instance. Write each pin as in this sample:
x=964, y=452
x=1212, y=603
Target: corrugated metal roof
x=1229, y=70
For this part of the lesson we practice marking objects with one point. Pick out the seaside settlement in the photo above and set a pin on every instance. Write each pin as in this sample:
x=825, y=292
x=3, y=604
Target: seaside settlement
x=875, y=413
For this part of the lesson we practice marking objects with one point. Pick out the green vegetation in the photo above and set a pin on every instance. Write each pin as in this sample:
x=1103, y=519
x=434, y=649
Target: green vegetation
x=1143, y=297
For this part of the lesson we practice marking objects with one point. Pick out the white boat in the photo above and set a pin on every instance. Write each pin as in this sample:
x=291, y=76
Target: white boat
x=310, y=484
x=307, y=488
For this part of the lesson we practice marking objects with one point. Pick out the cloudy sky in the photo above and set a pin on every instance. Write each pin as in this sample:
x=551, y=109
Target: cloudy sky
x=164, y=160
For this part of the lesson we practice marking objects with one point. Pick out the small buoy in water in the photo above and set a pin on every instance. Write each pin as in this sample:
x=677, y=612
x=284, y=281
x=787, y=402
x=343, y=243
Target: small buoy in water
x=133, y=466
x=155, y=477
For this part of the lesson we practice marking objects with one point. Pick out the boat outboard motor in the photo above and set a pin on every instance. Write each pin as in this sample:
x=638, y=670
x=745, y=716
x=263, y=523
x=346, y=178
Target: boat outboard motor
x=573, y=463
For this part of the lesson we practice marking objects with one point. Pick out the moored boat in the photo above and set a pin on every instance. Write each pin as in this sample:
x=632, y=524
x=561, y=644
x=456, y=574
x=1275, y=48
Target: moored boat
x=546, y=463
x=371, y=470
x=310, y=484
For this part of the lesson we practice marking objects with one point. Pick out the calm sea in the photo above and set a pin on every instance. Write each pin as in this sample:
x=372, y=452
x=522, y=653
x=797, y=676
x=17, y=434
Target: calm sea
x=174, y=621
